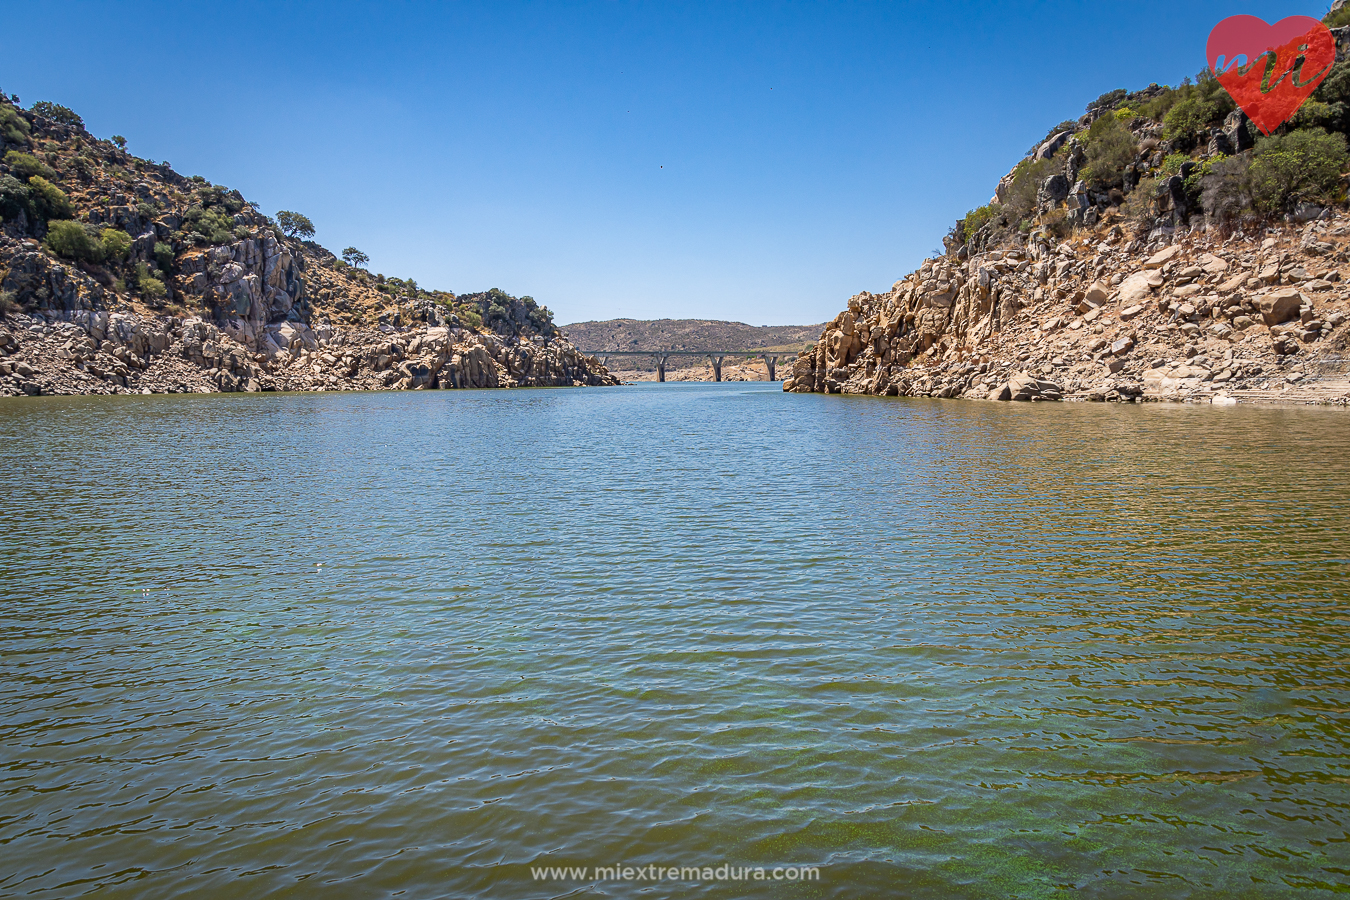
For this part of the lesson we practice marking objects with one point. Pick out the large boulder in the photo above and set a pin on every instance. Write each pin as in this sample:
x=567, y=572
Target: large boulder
x=1054, y=190
x=1051, y=147
x=1136, y=288
x=1280, y=305
x=1026, y=386
x=1162, y=257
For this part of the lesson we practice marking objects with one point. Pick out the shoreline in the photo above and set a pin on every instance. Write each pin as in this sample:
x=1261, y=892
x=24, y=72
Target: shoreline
x=1103, y=317
x=92, y=352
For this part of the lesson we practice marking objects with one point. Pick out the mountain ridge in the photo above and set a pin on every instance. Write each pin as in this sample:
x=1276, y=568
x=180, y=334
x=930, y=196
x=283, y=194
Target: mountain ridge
x=627, y=334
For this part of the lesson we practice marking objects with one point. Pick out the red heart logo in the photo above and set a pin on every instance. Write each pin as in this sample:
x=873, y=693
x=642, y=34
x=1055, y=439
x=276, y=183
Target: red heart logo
x=1282, y=64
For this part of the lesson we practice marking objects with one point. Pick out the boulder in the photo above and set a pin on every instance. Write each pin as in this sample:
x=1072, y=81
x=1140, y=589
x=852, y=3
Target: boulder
x=1212, y=264
x=1096, y=294
x=1025, y=387
x=1162, y=257
x=1280, y=305
x=1054, y=190
x=1049, y=148
x=1136, y=288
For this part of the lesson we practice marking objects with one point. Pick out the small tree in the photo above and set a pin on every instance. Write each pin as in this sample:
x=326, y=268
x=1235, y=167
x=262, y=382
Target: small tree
x=164, y=256
x=49, y=201
x=295, y=225
x=1110, y=148
x=13, y=127
x=1303, y=165
x=120, y=141
x=116, y=244
x=57, y=113
x=71, y=240
x=354, y=257
x=26, y=165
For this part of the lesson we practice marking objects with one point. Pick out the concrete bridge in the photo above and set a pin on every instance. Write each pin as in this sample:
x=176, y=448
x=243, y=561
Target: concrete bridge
x=715, y=357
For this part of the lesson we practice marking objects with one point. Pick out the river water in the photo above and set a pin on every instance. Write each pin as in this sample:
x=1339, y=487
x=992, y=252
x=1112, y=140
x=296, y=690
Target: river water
x=413, y=644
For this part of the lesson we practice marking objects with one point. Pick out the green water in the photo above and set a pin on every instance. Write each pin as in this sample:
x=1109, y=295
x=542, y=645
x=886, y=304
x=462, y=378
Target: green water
x=410, y=645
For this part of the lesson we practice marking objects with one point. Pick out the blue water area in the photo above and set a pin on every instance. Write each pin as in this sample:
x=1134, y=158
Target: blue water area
x=415, y=644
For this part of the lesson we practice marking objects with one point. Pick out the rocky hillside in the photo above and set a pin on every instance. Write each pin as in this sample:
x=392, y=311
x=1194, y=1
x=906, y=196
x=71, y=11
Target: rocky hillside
x=687, y=334
x=1158, y=247
x=118, y=275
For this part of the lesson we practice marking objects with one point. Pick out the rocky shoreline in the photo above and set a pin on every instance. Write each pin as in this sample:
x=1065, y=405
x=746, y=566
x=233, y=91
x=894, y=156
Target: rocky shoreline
x=93, y=352
x=1190, y=317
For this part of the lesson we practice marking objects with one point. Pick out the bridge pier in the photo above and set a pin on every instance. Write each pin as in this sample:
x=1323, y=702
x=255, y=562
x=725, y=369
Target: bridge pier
x=661, y=359
x=771, y=362
x=716, y=366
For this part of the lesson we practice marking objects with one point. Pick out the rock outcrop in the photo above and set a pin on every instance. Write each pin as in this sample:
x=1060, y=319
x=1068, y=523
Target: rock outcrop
x=1100, y=316
x=1159, y=247
x=192, y=289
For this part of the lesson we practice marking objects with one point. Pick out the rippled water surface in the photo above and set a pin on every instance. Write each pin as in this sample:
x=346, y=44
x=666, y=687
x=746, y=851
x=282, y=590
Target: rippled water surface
x=379, y=645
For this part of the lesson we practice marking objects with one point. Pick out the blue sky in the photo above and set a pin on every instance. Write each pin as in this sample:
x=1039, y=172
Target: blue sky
x=758, y=162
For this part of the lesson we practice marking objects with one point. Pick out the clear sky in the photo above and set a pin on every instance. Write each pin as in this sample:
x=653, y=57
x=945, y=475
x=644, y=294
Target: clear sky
x=758, y=162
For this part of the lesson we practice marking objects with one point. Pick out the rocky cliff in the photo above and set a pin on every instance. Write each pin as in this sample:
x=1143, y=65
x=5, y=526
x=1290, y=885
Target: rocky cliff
x=119, y=275
x=1156, y=248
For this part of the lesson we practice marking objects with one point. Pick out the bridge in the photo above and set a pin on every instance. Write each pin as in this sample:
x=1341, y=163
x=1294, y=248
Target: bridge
x=715, y=357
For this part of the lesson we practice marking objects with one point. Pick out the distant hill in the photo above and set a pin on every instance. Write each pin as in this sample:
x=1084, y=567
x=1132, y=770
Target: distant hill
x=688, y=334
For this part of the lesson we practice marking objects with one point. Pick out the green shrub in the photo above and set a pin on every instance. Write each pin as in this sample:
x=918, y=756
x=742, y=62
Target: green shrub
x=26, y=165
x=119, y=141
x=541, y=317
x=151, y=287
x=48, y=200
x=1109, y=100
x=1197, y=107
x=14, y=197
x=1158, y=107
x=210, y=195
x=164, y=256
x=208, y=226
x=57, y=113
x=1338, y=18
x=1296, y=167
x=72, y=241
x=1110, y=147
x=1141, y=204
x=13, y=127
x=1334, y=92
x=1225, y=192
x=1316, y=114
x=1203, y=170
x=977, y=219
x=1172, y=163
x=116, y=244
x=1190, y=117
x=1020, y=200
